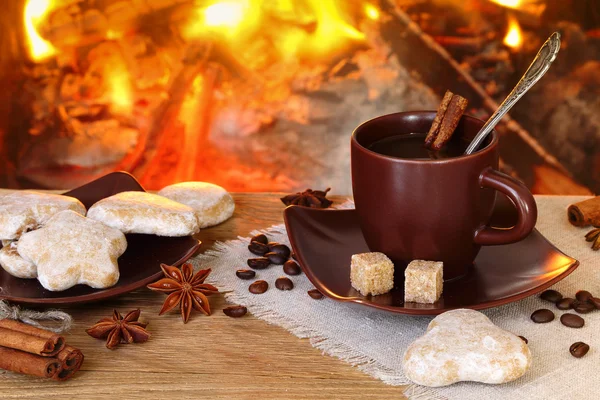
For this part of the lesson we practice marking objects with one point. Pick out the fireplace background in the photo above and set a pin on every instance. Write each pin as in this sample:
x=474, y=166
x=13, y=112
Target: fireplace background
x=269, y=103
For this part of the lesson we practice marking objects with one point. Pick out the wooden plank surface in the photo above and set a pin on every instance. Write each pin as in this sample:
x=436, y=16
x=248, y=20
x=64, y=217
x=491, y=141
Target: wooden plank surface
x=217, y=356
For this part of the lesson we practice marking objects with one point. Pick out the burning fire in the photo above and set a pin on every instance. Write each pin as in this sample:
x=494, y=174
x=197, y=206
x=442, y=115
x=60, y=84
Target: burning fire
x=238, y=20
x=509, y=3
x=35, y=11
x=371, y=11
x=514, y=35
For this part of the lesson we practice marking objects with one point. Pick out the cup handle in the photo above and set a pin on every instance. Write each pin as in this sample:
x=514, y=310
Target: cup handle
x=523, y=201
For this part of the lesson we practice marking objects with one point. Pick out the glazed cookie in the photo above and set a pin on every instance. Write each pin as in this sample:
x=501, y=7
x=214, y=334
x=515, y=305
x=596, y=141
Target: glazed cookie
x=71, y=249
x=464, y=345
x=27, y=210
x=16, y=265
x=141, y=212
x=212, y=203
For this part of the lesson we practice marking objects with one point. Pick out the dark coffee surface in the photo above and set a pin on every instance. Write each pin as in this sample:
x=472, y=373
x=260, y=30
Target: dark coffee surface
x=412, y=146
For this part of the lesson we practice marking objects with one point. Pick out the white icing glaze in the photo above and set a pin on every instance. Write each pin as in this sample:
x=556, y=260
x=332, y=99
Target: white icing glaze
x=71, y=249
x=16, y=265
x=141, y=212
x=212, y=203
x=27, y=210
x=464, y=345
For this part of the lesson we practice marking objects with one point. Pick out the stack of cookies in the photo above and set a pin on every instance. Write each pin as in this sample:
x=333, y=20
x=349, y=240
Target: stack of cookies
x=55, y=239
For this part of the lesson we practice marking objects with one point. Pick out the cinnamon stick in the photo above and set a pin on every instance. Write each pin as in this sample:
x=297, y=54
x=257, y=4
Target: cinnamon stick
x=456, y=109
x=437, y=121
x=584, y=213
x=71, y=360
x=29, y=364
x=446, y=120
x=17, y=335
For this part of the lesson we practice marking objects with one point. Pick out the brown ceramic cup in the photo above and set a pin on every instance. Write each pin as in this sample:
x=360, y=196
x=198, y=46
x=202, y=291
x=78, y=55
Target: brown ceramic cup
x=432, y=209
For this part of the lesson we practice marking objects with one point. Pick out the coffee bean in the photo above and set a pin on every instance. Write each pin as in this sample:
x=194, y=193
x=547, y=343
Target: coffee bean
x=258, y=287
x=596, y=302
x=280, y=249
x=284, y=283
x=551, y=295
x=260, y=239
x=245, y=273
x=315, y=294
x=583, y=295
x=542, y=316
x=291, y=267
x=258, y=248
x=583, y=307
x=235, y=311
x=276, y=258
x=523, y=338
x=579, y=349
x=259, y=263
x=572, y=320
x=293, y=255
x=565, y=304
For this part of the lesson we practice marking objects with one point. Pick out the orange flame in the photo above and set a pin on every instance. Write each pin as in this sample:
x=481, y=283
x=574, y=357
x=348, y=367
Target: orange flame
x=237, y=20
x=371, y=11
x=509, y=3
x=514, y=35
x=34, y=12
x=119, y=91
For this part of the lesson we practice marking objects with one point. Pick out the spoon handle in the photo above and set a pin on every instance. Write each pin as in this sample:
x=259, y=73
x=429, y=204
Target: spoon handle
x=537, y=69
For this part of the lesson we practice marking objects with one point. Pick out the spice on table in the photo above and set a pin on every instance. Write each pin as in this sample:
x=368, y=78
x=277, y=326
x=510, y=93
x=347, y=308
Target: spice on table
x=62, y=364
x=585, y=212
x=235, y=311
x=579, y=349
x=594, y=237
x=119, y=329
x=315, y=294
x=284, y=283
x=185, y=289
x=27, y=338
x=308, y=198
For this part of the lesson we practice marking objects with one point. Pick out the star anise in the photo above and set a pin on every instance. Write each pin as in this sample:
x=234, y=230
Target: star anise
x=119, y=329
x=185, y=289
x=594, y=236
x=308, y=198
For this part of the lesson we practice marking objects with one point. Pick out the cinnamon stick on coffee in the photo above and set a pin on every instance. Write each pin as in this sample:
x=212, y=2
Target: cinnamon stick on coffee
x=29, y=364
x=585, y=212
x=446, y=120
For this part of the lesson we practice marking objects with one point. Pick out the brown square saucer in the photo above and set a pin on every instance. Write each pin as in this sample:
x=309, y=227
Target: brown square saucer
x=139, y=265
x=324, y=241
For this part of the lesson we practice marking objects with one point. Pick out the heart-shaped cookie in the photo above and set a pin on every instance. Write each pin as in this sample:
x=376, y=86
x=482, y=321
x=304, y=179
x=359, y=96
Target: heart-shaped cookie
x=212, y=203
x=464, y=345
x=27, y=210
x=141, y=212
x=71, y=249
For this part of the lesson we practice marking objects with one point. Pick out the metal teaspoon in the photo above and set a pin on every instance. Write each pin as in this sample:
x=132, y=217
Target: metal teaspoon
x=537, y=69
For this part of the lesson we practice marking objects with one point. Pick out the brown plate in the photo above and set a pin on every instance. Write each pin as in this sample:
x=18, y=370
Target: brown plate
x=324, y=241
x=139, y=265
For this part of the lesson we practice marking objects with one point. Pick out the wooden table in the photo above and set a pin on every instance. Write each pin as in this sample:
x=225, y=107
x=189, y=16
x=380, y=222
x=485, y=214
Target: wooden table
x=217, y=356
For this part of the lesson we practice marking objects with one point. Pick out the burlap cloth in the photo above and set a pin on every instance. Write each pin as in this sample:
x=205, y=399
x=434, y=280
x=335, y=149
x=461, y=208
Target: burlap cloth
x=375, y=342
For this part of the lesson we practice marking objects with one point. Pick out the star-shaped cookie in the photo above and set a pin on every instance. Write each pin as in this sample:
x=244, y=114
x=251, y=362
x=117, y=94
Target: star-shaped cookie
x=27, y=210
x=71, y=249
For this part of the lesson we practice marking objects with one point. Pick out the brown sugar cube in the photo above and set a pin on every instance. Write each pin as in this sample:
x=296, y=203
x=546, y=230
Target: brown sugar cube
x=423, y=281
x=372, y=273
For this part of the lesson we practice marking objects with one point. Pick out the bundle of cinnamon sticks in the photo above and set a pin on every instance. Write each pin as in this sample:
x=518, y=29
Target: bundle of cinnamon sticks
x=29, y=350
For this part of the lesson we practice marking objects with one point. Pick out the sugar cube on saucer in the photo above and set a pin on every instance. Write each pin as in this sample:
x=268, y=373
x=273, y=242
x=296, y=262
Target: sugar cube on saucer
x=423, y=281
x=371, y=273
